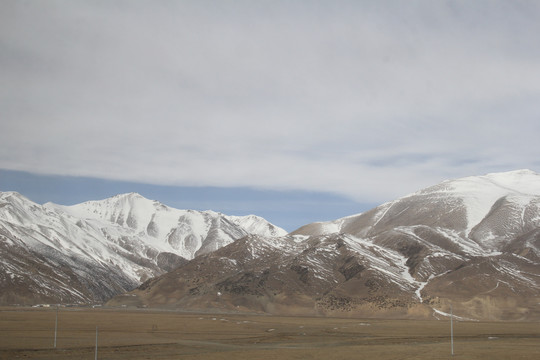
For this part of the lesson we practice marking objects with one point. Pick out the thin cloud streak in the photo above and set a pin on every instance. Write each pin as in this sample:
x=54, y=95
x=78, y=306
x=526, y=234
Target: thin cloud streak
x=372, y=100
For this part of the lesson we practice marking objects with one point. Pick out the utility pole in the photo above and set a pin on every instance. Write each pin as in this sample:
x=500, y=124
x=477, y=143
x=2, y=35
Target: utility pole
x=95, y=357
x=452, y=329
x=56, y=326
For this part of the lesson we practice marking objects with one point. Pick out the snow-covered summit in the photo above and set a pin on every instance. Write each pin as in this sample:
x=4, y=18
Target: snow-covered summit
x=479, y=194
x=254, y=224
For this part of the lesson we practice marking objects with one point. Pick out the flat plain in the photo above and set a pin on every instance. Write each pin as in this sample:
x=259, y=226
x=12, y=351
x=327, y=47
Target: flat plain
x=28, y=333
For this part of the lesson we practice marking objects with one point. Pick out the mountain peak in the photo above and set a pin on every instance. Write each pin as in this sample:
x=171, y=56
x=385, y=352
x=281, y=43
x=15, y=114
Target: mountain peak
x=14, y=194
x=130, y=195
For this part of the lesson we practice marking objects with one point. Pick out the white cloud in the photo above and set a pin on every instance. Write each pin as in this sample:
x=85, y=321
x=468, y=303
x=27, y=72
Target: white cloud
x=372, y=100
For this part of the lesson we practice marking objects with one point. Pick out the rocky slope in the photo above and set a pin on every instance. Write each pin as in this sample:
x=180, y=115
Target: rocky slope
x=472, y=242
x=95, y=250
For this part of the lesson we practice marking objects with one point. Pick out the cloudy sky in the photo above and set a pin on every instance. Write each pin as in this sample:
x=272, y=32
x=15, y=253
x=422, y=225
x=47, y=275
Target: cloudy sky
x=340, y=104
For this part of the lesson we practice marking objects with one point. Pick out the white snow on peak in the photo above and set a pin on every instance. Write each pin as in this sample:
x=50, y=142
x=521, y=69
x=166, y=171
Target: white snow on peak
x=479, y=193
x=183, y=232
x=328, y=227
x=331, y=227
x=254, y=224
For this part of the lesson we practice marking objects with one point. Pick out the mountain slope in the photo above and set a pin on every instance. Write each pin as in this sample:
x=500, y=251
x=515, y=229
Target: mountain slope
x=286, y=275
x=472, y=242
x=92, y=251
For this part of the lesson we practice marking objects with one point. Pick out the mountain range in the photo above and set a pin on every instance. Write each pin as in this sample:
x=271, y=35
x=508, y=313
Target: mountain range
x=92, y=251
x=472, y=244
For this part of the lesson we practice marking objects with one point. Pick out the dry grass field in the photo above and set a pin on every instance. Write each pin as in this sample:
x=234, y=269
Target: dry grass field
x=143, y=334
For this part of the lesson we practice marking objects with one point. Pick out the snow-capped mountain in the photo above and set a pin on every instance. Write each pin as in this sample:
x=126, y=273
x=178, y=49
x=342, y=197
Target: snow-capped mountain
x=461, y=205
x=94, y=250
x=472, y=242
x=186, y=233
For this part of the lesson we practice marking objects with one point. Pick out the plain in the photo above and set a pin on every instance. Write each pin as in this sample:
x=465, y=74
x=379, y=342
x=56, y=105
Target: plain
x=28, y=333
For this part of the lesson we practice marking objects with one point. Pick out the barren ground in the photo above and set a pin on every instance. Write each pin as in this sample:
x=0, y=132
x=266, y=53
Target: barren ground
x=142, y=334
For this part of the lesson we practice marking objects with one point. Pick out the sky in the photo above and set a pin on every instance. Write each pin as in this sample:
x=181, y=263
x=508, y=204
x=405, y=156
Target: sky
x=304, y=110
